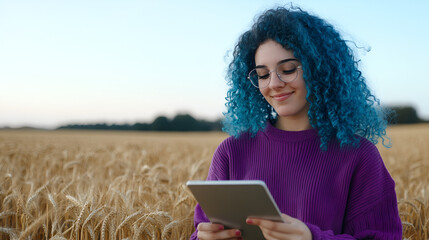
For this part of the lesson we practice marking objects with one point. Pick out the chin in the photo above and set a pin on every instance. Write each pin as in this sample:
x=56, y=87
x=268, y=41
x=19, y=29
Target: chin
x=291, y=113
x=286, y=113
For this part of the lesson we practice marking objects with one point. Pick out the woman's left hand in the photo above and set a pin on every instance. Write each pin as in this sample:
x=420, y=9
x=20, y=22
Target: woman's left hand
x=291, y=228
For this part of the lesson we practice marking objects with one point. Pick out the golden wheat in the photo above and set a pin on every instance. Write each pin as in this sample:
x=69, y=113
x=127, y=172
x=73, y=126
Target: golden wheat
x=118, y=185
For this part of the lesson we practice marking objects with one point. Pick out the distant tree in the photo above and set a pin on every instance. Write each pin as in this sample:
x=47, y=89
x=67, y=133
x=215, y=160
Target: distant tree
x=141, y=126
x=161, y=123
x=184, y=122
x=120, y=127
x=210, y=126
x=405, y=114
x=100, y=126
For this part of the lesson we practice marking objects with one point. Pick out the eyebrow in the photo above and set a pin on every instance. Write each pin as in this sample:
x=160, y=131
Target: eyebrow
x=280, y=62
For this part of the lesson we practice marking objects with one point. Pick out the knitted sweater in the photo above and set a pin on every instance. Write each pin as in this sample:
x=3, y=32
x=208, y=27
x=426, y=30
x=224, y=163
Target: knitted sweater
x=341, y=193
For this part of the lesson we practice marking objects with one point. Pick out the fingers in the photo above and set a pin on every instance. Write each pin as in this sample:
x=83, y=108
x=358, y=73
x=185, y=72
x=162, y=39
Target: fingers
x=274, y=226
x=288, y=219
x=205, y=226
x=223, y=234
x=216, y=231
x=290, y=228
x=270, y=234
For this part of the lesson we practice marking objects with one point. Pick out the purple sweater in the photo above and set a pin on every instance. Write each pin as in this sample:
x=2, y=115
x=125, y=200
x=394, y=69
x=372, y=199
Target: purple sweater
x=342, y=193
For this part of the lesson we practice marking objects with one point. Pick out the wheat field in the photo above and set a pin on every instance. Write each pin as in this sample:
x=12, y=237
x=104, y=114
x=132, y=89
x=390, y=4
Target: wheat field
x=131, y=185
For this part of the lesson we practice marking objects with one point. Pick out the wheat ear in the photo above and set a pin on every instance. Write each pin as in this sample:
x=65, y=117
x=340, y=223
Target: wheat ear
x=32, y=197
x=8, y=198
x=82, y=211
x=56, y=217
x=408, y=224
x=168, y=228
x=45, y=229
x=89, y=218
x=67, y=186
x=126, y=220
x=112, y=230
x=103, y=226
x=73, y=200
x=56, y=237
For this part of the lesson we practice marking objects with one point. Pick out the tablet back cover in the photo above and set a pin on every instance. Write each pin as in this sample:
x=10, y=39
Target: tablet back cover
x=231, y=202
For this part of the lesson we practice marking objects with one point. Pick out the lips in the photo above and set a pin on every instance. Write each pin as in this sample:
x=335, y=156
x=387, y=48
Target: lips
x=282, y=96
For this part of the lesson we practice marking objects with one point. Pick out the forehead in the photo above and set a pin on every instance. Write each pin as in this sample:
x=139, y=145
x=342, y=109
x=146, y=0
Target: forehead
x=271, y=52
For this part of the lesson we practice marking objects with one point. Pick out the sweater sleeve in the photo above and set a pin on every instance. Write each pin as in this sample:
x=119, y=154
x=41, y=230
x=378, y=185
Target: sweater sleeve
x=372, y=210
x=218, y=170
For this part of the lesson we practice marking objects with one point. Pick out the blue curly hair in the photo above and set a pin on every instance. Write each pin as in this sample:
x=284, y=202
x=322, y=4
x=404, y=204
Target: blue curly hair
x=341, y=105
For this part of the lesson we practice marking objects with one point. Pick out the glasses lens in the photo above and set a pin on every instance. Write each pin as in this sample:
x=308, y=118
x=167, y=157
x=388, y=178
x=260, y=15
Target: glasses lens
x=287, y=71
x=260, y=77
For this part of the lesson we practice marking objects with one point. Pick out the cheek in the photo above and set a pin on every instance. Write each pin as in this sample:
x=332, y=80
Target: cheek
x=301, y=87
x=264, y=92
x=304, y=90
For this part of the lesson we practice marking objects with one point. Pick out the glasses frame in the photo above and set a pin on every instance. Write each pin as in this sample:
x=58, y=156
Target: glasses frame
x=275, y=70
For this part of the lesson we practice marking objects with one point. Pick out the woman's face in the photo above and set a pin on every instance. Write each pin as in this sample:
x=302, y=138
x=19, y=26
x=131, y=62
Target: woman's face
x=288, y=99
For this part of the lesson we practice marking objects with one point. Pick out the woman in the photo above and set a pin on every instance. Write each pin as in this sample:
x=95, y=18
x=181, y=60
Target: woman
x=303, y=120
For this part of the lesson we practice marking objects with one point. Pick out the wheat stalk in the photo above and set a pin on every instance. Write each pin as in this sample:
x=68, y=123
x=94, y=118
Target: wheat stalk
x=91, y=232
x=89, y=218
x=99, y=223
x=13, y=233
x=126, y=221
x=168, y=228
x=7, y=214
x=34, y=226
x=67, y=186
x=136, y=231
x=9, y=198
x=70, y=164
x=68, y=230
x=38, y=191
x=144, y=227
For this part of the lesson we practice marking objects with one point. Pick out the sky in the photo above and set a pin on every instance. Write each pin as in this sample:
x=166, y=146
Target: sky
x=80, y=61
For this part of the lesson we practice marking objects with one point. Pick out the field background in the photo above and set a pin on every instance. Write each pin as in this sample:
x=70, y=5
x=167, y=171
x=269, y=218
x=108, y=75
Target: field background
x=131, y=185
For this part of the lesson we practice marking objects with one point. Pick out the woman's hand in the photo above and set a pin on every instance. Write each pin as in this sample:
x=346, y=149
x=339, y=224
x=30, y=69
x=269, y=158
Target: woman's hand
x=292, y=228
x=216, y=231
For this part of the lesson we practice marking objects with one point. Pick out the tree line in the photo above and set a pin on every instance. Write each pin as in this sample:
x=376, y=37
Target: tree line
x=186, y=122
x=181, y=122
x=405, y=115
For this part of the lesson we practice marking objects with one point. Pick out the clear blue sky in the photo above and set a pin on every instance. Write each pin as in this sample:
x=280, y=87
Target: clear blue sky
x=130, y=61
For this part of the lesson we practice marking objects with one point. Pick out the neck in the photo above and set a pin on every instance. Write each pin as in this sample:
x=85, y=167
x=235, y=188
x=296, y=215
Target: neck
x=293, y=124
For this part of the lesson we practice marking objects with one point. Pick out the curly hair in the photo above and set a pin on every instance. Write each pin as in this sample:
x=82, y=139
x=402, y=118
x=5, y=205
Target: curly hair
x=341, y=105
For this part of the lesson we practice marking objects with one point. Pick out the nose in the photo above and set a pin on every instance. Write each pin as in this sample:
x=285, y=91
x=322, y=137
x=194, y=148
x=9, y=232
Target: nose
x=275, y=81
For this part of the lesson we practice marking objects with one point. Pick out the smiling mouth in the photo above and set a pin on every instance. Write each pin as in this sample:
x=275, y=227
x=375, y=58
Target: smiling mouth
x=282, y=97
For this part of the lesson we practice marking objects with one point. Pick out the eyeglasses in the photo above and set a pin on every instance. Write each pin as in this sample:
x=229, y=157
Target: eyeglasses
x=286, y=70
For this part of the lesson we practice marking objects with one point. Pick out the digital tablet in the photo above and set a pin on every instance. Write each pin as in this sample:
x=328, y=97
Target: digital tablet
x=230, y=202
